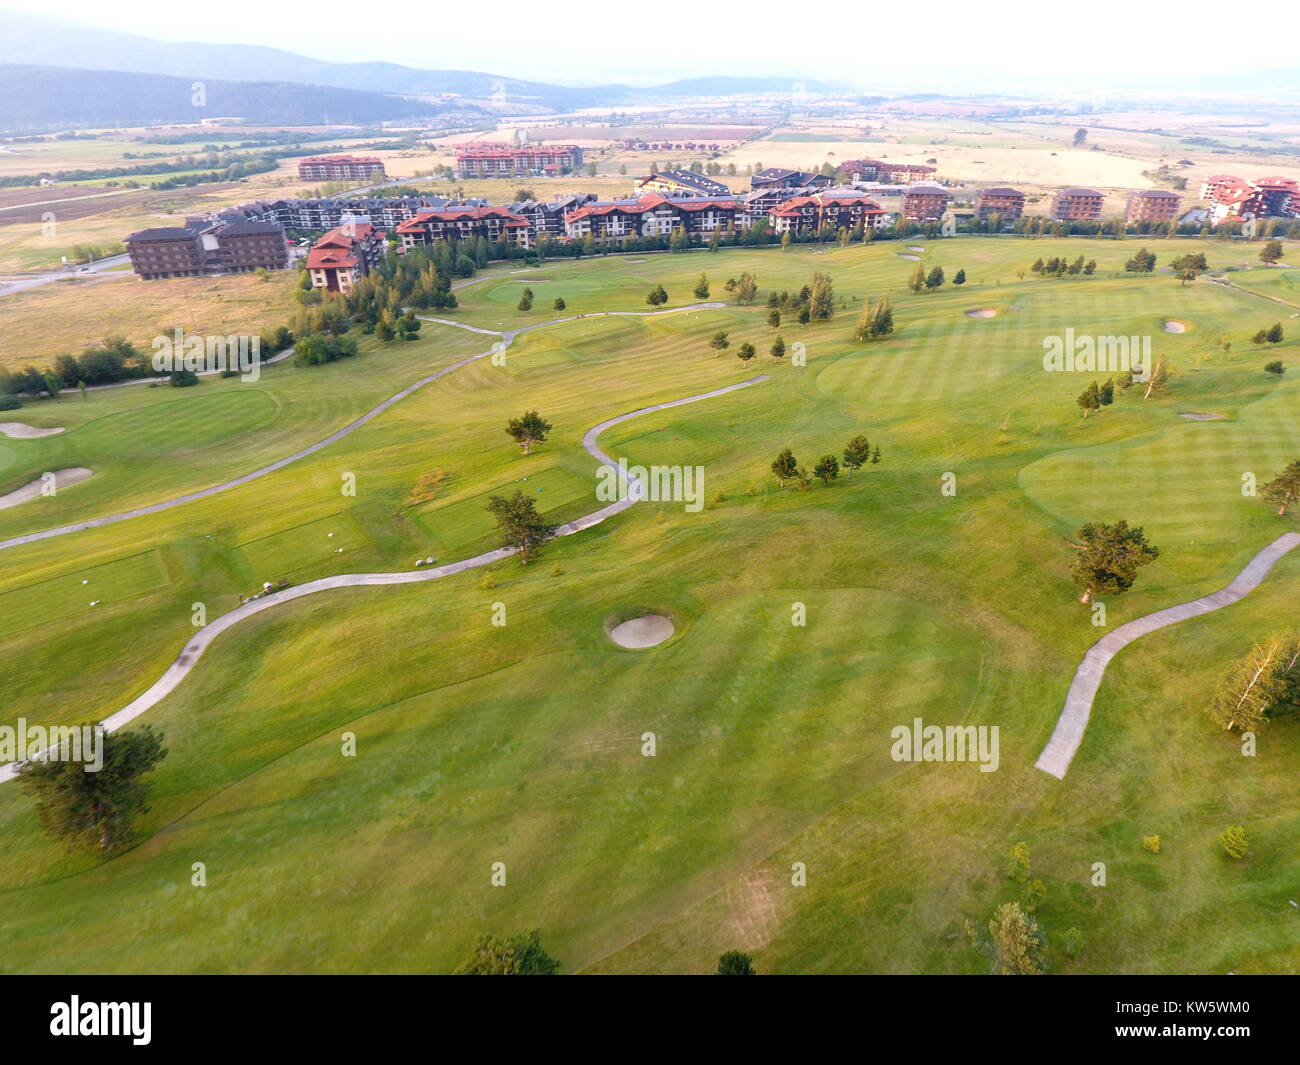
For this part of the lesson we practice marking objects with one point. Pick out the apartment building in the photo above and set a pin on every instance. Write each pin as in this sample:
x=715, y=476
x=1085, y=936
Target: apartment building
x=681, y=183
x=546, y=217
x=887, y=172
x=924, y=203
x=831, y=209
x=1076, y=205
x=654, y=215
x=504, y=160
x=341, y=168
x=461, y=223
x=1152, y=205
x=203, y=247
x=345, y=255
x=779, y=177
x=1007, y=203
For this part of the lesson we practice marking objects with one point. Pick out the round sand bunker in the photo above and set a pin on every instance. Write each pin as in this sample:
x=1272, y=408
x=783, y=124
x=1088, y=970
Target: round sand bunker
x=1175, y=327
x=645, y=631
x=982, y=312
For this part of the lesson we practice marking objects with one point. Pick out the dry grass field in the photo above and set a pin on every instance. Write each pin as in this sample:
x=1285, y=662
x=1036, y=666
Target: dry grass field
x=68, y=316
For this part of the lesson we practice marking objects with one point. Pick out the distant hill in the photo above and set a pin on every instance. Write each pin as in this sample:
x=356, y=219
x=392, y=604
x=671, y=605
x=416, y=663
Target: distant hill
x=35, y=98
x=734, y=86
x=35, y=40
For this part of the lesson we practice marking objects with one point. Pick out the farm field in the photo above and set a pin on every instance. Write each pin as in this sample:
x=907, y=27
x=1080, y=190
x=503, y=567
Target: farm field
x=522, y=743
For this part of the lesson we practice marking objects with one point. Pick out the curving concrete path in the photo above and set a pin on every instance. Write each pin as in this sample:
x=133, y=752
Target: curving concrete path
x=507, y=338
x=202, y=639
x=1068, y=734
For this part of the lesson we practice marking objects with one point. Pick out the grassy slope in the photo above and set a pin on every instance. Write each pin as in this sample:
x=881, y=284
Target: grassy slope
x=521, y=744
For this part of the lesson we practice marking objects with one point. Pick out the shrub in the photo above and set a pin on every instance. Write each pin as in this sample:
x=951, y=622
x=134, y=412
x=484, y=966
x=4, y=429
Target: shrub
x=10, y=402
x=1072, y=942
x=1233, y=841
x=1151, y=843
x=1275, y=367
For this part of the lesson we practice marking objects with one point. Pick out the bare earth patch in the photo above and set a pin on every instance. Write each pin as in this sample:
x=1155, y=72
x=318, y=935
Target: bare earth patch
x=1202, y=417
x=645, y=631
x=23, y=431
x=32, y=489
x=982, y=312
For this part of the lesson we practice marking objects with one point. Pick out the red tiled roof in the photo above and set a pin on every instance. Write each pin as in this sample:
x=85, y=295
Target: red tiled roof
x=460, y=214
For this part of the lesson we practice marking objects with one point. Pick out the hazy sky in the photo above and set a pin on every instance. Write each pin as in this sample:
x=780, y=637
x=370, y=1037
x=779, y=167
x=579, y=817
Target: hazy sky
x=564, y=41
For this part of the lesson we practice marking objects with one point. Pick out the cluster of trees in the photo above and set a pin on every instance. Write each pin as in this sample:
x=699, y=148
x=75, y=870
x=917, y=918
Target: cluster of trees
x=814, y=302
x=875, y=320
x=921, y=280
x=1012, y=940
x=1058, y=267
x=114, y=359
x=657, y=296
x=858, y=452
x=1272, y=335
x=1096, y=396
x=1143, y=262
x=518, y=955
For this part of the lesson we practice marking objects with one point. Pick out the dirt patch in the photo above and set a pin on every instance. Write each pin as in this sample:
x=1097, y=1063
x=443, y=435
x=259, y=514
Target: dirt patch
x=982, y=312
x=1203, y=417
x=645, y=631
x=32, y=489
x=23, y=431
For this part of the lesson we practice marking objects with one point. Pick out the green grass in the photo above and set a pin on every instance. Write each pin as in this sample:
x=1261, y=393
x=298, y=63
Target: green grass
x=521, y=744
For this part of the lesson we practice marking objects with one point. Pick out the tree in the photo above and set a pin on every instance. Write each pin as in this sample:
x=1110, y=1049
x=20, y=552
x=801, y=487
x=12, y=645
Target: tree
x=657, y=296
x=1284, y=490
x=827, y=468
x=746, y=351
x=559, y=303
x=1233, y=841
x=719, y=343
x=1275, y=367
x=1080, y=135
x=1016, y=942
x=1190, y=266
x=857, y=452
x=1271, y=252
x=746, y=288
x=934, y=279
x=526, y=300
x=916, y=281
x=702, y=288
x=1143, y=262
x=529, y=430
x=517, y=955
x=778, y=347
x=1089, y=399
x=821, y=304
x=875, y=320
x=1158, y=382
x=95, y=809
x=735, y=963
x=959, y=278
x=1018, y=862
x=1262, y=685
x=520, y=524
x=1274, y=334
x=785, y=467
x=1108, y=558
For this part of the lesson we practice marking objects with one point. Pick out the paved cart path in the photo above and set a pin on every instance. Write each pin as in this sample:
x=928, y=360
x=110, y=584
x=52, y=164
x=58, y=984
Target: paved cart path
x=203, y=638
x=1068, y=734
x=507, y=338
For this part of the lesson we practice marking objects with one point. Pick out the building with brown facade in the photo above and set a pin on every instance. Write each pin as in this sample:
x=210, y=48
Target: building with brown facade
x=203, y=247
x=461, y=223
x=341, y=168
x=345, y=255
x=504, y=160
x=1076, y=205
x=833, y=210
x=1152, y=205
x=924, y=203
x=1007, y=204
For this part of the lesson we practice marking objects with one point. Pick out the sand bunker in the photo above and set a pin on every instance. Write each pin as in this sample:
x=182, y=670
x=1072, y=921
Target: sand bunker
x=916, y=247
x=982, y=312
x=23, y=431
x=1175, y=327
x=32, y=489
x=901, y=255
x=645, y=631
x=1201, y=417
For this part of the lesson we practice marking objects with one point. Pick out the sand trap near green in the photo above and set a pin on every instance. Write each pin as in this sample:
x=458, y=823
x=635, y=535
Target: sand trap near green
x=23, y=431
x=32, y=489
x=645, y=631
